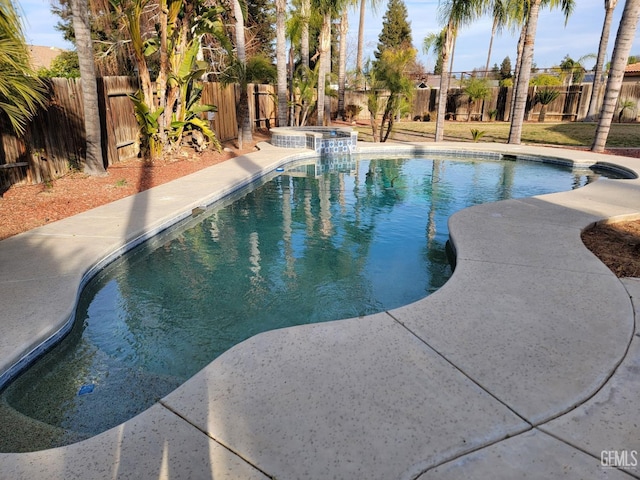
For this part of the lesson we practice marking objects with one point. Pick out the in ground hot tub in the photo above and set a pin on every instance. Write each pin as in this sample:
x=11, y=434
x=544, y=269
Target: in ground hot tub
x=323, y=140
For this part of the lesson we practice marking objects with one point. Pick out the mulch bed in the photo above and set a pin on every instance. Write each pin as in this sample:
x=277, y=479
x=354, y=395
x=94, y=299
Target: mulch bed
x=617, y=245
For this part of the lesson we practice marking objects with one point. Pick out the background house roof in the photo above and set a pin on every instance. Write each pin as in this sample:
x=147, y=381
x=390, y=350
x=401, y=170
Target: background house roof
x=632, y=70
x=42, y=56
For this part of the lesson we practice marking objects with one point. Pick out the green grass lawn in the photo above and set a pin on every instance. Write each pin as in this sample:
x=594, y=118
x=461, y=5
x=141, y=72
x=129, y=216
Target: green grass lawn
x=575, y=134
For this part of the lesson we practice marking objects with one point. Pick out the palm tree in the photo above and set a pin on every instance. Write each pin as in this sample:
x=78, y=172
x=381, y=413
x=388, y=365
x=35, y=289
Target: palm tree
x=94, y=164
x=625, y=105
x=281, y=61
x=544, y=97
x=305, y=16
x=434, y=42
x=343, y=28
x=455, y=13
x=447, y=42
x=598, y=78
x=501, y=17
x=522, y=86
x=624, y=41
x=525, y=60
x=391, y=72
x=166, y=111
x=516, y=68
x=476, y=89
x=573, y=71
x=297, y=33
x=21, y=93
x=303, y=89
x=373, y=98
x=146, y=110
x=324, y=64
x=327, y=9
x=242, y=108
x=360, y=48
x=498, y=14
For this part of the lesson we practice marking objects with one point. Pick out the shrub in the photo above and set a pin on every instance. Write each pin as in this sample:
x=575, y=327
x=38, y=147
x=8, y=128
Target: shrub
x=351, y=111
x=545, y=79
x=625, y=105
x=544, y=97
x=477, y=134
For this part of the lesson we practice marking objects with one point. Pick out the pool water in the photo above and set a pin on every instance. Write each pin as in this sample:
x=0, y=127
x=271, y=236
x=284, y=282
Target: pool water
x=316, y=243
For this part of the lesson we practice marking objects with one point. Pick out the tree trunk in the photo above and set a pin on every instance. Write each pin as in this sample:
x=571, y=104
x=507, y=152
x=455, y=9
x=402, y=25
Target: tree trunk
x=281, y=61
x=173, y=94
x=388, y=118
x=342, y=65
x=359, y=75
x=494, y=27
x=374, y=127
x=292, y=106
x=452, y=51
x=324, y=44
x=522, y=87
x=94, y=164
x=543, y=114
x=389, y=128
x=242, y=109
x=598, y=79
x=444, y=83
x=305, y=11
x=516, y=69
x=244, y=122
x=161, y=81
x=137, y=44
x=624, y=42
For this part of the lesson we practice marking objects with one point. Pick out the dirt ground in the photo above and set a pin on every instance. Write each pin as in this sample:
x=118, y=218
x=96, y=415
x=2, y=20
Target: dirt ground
x=617, y=245
x=29, y=206
x=23, y=207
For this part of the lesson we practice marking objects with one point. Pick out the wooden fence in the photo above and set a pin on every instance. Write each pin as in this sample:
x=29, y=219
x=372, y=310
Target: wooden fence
x=224, y=120
x=54, y=142
x=571, y=105
x=120, y=130
x=262, y=110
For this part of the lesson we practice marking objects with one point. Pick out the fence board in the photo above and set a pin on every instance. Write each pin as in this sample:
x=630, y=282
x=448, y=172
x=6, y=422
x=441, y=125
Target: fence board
x=264, y=108
x=121, y=132
x=224, y=123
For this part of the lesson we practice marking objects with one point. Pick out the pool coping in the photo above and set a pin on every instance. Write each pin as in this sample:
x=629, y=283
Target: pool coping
x=518, y=399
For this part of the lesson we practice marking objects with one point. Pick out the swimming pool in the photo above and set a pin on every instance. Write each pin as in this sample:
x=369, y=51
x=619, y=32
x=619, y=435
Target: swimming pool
x=382, y=222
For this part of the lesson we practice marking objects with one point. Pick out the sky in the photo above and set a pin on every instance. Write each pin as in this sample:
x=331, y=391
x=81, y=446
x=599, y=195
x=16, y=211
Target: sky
x=554, y=40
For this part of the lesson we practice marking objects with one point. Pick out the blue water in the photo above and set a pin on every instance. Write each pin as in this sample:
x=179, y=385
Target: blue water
x=316, y=243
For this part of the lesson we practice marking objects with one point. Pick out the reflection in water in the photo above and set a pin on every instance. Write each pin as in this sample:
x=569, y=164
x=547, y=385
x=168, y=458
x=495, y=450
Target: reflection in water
x=314, y=244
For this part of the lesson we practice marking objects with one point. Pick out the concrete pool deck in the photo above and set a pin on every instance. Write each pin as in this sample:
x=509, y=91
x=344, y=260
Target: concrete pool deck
x=526, y=364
